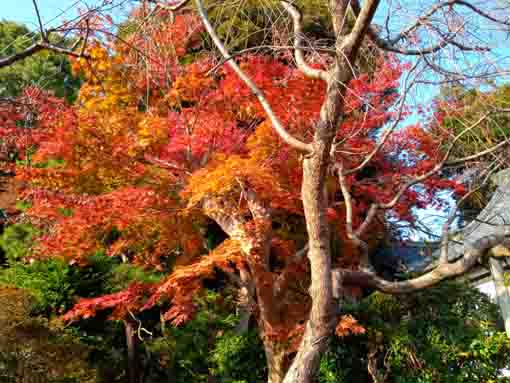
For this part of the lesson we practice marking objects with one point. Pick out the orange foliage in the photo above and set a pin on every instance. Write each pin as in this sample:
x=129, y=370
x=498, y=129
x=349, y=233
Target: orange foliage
x=150, y=139
x=348, y=325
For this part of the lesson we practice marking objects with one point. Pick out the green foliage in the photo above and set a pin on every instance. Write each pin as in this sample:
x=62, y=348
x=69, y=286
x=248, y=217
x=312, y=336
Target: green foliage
x=49, y=282
x=193, y=340
x=53, y=283
x=238, y=358
x=16, y=240
x=461, y=109
x=36, y=350
x=107, y=343
x=207, y=346
x=446, y=334
x=124, y=274
x=23, y=205
x=47, y=70
x=94, y=279
x=343, y=363
x=51, y=163
x=264, y=24
x=260, y=22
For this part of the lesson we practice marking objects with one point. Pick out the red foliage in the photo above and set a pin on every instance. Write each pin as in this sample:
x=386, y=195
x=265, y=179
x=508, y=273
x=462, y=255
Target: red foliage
x=130, y=299
x=151, y=140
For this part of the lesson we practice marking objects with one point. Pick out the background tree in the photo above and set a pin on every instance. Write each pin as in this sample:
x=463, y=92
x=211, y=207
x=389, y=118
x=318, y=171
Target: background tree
x=30, y=345
x=47, y=70
x=484, y=111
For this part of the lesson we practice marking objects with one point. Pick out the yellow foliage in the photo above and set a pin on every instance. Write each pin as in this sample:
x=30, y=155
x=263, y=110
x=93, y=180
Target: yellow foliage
x=189, y=86
x=229, y=177
x=151, y=131
x=106, y=85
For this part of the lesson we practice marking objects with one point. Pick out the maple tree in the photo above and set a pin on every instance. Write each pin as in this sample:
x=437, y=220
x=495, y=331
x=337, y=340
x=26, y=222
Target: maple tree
x=157, y=147
x=201, y=149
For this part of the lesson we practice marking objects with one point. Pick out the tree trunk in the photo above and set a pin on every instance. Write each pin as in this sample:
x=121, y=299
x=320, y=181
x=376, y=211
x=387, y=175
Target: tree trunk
x=244, y=305
x=275, y=357
x=132, y=367
x=321, y=321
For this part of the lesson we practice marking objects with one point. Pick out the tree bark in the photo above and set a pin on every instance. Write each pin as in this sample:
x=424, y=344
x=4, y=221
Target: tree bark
x=321, y=321
x=244, y=306
x=131, y=351
x=276, y=362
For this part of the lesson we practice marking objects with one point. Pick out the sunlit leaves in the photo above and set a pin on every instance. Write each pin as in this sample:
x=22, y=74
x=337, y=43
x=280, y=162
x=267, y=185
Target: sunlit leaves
x=163, y=138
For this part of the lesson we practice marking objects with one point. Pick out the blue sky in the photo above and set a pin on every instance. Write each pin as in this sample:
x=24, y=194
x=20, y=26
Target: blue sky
x=23, y=10
x=54, y=11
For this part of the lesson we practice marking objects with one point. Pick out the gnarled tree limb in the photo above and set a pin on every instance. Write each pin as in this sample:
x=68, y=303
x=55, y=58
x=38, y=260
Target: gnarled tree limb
x=443, y=271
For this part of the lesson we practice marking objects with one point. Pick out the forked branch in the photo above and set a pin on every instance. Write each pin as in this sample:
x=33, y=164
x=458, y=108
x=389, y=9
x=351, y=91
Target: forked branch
x=392, y=44
x=298, y=42
x=277, y=125
x=361, y=26
x=443, y=271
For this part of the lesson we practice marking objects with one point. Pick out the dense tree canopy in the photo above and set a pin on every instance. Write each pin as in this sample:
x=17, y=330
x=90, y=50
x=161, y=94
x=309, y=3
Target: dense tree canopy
x=166, y=192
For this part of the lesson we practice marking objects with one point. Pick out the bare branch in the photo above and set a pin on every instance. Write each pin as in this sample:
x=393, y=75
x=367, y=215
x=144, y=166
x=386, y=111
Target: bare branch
x=347, y=200
x=260, y=48
x=62, y=50
x=353, y=236
x=388, y=130
x=85, y=40
x=425, y=18
x=446, y=40
x=440, y=273
x=140, y=327
x=280, y=129
x=286, y=275
x=480, y=12
x=420, y=21
x=376, y=206
x=390, y=45
x=468, y=129
x=478, y=155
x=33, y=49
x=170, y=7
x=445, y=241
x=44, y=36
x=75, y=45
x=298, y=40
x=372, y=212
x=361, y=26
